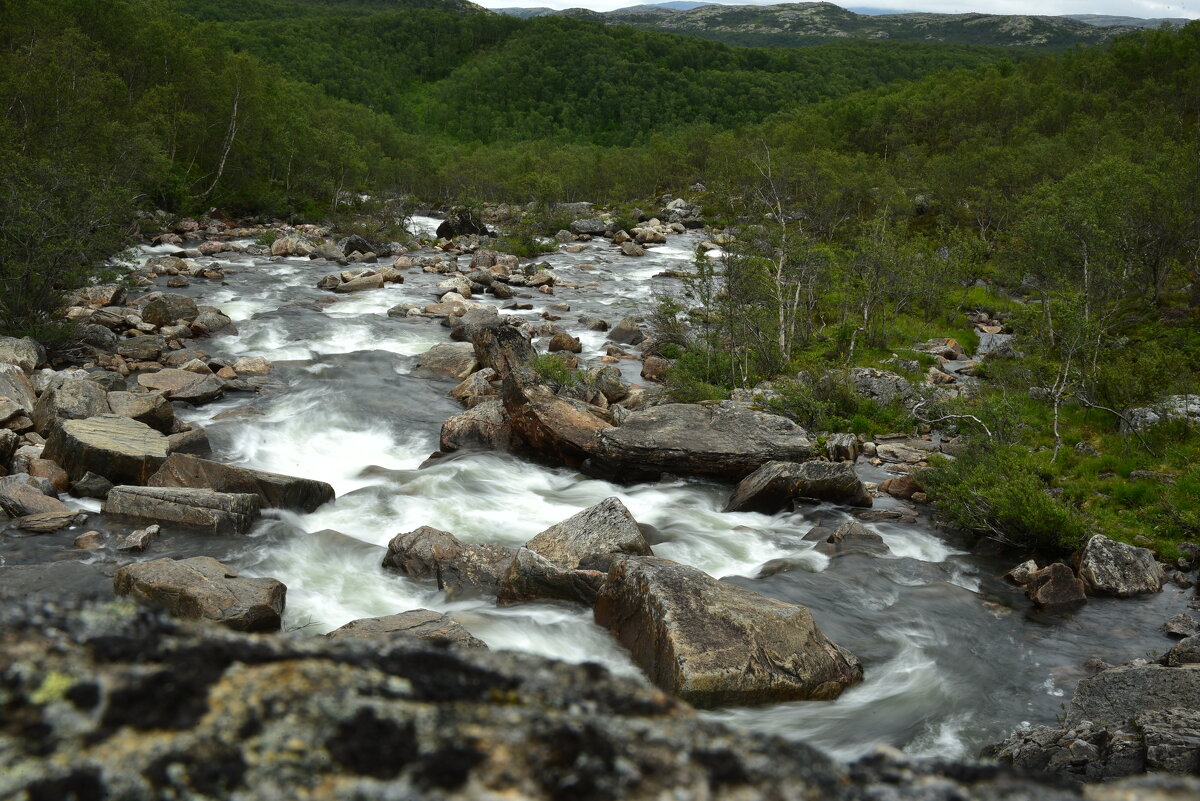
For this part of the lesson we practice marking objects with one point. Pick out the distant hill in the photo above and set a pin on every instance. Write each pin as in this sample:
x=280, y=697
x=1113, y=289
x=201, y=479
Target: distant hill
x=1106, y=21
x=794, y=24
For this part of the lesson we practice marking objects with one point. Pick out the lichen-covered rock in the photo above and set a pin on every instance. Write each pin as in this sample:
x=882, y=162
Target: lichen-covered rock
x=1114, y=568
x=1055, y=588
x=852, y=537
x=716, y=644
x=183, y=385
x=151, y=408
x=203, y=588
x=199, y=508
x=24, y=353
x=595, y=533
x=273, y=489
x=484, y=426
x=69, y=399
x=531, y=576
x=121, y=450
x=418, y=624
x=776, y=485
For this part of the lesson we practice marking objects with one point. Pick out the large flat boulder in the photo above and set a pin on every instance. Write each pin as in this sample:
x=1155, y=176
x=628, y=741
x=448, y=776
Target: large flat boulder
x=776, y=485
x=1108, y=567
x=1121, y=692
x=722, y=440
x=419, y=624
x=273, y=489
x=716, y=644
x=120, y=449
x=595, y=533
x=201, y=588
x=181, y=385
x=170, y=308
x=218, y=512
x=69, y=399
x=556, y=429
x=458, y=568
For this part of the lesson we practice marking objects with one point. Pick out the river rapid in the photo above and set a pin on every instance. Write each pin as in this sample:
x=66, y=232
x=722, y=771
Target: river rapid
x=954, y=657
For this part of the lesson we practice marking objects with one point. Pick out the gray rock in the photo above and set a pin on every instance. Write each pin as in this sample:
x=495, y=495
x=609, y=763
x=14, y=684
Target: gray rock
x=1181, y=625
x=272, y=489
x=9, y=442
x=1114, y=568
x=90, y=485
x=608, y=380
x=169, y=308
x=138, y=541
x=590, y=225
x=842, y=448
x=217, y=512
x=70, y=399
x=16, y=386
x=776, y=485
x=453, y=360
x=483, y=427
x=1055, y=588
x=151, y=408
x=627, y=332
x=203, y=588
x=593, y=534
x=142, y=349
x=716, y=644
x=24, y=353
x=501, y=347
x=1185, y=652
x=19, y=499
x=418, y=624
x=881, y=386
x=182, y=385
x=852, y=537
x=1172, y=407
x=725, y=441
x=531, y=576
x=117, y=448
x=458, y=568
x=194, y=442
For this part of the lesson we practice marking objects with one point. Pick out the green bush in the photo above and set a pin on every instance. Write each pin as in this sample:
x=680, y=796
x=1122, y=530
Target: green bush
x=554, y=370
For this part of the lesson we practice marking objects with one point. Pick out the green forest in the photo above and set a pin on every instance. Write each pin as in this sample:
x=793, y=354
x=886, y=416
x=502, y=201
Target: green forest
x=877, y=191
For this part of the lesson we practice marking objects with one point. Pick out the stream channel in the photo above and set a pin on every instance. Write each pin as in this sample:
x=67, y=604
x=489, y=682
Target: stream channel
x=954, y=657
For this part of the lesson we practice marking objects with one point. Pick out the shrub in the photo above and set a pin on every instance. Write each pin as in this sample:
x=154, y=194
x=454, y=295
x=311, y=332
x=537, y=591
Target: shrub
x=554, y=370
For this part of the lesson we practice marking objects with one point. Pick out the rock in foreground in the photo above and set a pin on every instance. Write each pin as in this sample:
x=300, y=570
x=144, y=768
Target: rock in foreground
x=203, y=588
x=218, y=512
x=717, y=644
x=120, y=449
x=144, y=707
x=1114, y=568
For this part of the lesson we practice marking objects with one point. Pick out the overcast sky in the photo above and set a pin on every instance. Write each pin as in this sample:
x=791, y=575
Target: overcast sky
x=1124, y=8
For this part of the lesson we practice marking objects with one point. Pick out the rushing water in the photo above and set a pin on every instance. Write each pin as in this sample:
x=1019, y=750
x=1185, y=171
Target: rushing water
x=954, y=657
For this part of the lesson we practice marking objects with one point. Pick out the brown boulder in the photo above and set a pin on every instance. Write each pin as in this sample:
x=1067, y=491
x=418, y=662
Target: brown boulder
x=419, y=624
x=203, y=588
x=218, y=512
x=458, y=568
x=557, y=429
x=183, y=385
x=485, y=427
x=776, y=485
x=1055, y=588
x=453, y=360
x=120, y=449
x=273, y=489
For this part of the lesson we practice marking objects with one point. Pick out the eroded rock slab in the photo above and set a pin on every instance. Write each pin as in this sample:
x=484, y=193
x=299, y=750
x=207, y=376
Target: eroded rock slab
x=218, y=512
x=121, y=450
x=273, y=489
x=203, y=588
x=717, y=644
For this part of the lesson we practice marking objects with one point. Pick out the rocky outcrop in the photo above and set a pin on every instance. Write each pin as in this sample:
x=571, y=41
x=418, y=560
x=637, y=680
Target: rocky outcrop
x=17, y=396
x=1124, y=720
x=218, y=512
x=151, y=408
x=274, y=490
x=461, y=221
x=776, y=485
x=203, y=588
x=121, y=450
x=725, y=441
x=716, y=644
x=556, y=429
x=1114, y=568
x=458, y=568
x=501, y=347
x=419, y=624
x=109, y=704
x=850, y=537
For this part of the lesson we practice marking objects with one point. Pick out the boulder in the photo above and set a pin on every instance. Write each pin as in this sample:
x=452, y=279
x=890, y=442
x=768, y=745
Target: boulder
x=24, y=353
x=119, y=449
x=717, y=644
x=248, y=366
x=530, y=576
x=141, y=348
x=201, y=588
x=9, y=442
x=19, y=499
x=630, y=248
x=458, y=568
x=292, y=246
x=501, y=347
x=419, y=624
x=273, y=490
x=151, y=408
x=218, y=512
x=169, y=308
x=183, y=385
x=724, y=440
x=104, y=294
x=589, y=225
x=453, y=360
x=485, y=427
x=564, y=341
x=1108, y=567
x=627, y=332
x=903, y=487
x=556, y=429
x=461, y=221
x=1055, y=588
x=48, y=522
x=880, y=386
x=476, y=387
x=70, y=399
x=48, y=470
x=774, y=486
x=851, y=537
x=592, y=535
x=360, y=284
x=18, y=389
x=1172, y=407
x=90, y=485
x=655, y=368
x=194, y=442
x=842, y=448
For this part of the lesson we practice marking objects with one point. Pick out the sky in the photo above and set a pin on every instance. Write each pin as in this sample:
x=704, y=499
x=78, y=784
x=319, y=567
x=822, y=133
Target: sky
x=1123, y=8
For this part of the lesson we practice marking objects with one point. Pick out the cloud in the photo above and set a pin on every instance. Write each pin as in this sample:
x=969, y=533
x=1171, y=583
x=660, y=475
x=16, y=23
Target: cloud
x=1122, y=8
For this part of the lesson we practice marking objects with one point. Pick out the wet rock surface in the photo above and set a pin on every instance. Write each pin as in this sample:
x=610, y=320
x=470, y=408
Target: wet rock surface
x=273, y=490
x=419, y=624
x=203, y=588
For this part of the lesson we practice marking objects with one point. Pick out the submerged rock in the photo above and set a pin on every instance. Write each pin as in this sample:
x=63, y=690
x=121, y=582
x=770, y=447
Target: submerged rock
x=715, y=644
